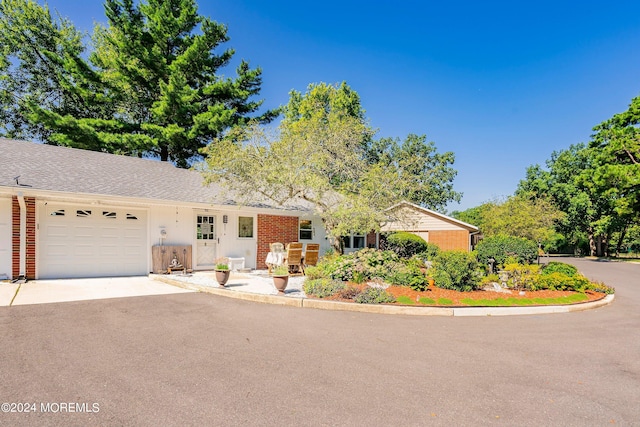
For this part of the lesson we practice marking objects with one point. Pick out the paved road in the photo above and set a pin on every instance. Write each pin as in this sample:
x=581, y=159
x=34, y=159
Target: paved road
x=198, y=359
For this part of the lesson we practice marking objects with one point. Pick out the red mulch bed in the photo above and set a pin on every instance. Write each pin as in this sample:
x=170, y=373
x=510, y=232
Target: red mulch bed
x=456, y=297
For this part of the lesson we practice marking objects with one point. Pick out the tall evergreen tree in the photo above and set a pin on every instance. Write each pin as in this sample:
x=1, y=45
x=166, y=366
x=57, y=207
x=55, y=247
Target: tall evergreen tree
x=152, y=88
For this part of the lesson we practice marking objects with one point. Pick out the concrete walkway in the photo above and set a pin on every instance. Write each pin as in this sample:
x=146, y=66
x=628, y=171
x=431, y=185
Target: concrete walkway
x=258, y=286
x=63, y=290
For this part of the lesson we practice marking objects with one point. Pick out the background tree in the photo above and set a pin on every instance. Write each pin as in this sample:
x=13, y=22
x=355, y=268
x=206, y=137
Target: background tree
x=517, y=216
x=320, y=157
x=616, y=175
x=151, y=87
x=41, y=67
x=418, y=163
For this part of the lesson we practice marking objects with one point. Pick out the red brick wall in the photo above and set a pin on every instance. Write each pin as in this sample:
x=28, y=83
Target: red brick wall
x=449, y=240
x=30, y=203
x=274, y=228
x=371, y=240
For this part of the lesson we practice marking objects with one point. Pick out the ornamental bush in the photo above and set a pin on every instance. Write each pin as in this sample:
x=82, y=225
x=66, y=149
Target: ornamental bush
x=374, y=295
x=405, y=244
x=455, y=270
x=430, y=252
x=365, y=264
x=322, y=288
x=557, y=281
x=500, y=247
x=408, y=274
x=522, y=277
x=560, y=267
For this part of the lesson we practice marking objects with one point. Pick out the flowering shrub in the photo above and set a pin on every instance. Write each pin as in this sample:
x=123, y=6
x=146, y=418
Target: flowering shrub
x=366, y=264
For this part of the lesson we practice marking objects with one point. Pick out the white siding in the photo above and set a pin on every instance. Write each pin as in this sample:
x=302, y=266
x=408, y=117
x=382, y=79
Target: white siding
x=409, y=219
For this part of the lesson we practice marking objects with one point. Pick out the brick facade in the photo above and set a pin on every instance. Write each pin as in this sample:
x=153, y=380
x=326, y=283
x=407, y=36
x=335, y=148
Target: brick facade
x=274, y=228
x=371, y=240
x=30, y=203
x=449, y=240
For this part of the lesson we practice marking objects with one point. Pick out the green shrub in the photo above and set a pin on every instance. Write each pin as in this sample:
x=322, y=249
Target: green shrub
x=500, y=247
x=455, y=270
x=362, y=265
x=560, y=267
x=405, y=244
x=322, y=288
x=600, y=287
x=430, y=253
x=314, y=272
x=557, y=281
x=371, y=295
x=524, y=277
x=408, y=274
x=490, y=278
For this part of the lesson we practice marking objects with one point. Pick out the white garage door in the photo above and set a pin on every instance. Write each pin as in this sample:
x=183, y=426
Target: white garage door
x=89, y=241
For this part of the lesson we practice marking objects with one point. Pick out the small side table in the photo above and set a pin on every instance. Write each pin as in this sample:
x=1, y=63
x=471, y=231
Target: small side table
x=236, y=264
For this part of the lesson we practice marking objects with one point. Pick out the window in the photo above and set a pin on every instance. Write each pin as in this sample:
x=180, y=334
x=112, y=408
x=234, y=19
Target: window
x=131, y=216
x=109, y=214
x=353, y=241
x=306, y=229
x=245, y=226
x=59, y=212
x=358, y=241
x=206, y=227
x=83, y=214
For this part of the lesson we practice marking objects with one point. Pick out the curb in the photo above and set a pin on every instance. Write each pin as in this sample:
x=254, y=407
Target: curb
x=389, y=309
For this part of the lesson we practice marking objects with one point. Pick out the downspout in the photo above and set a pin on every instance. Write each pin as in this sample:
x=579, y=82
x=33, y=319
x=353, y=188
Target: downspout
x=23, y=237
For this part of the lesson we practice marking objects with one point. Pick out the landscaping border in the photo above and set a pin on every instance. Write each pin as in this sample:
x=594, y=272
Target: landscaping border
x=389, y=309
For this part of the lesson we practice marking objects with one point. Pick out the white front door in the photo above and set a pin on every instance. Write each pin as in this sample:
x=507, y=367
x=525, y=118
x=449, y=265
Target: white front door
x=207, y=241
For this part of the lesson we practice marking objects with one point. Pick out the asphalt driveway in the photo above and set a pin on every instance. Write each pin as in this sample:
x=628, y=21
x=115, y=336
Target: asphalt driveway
x=199, y=359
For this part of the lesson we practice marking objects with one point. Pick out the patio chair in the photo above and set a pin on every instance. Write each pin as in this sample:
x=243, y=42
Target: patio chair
x=311, y=254
x=294, y=245
x=294, y=259
x=275, y=256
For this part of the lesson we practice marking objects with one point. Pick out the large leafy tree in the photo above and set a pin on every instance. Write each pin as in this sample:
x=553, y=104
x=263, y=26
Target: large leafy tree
x=152, y=86
x=616, y=174
x=323, y=156
x=534, y=219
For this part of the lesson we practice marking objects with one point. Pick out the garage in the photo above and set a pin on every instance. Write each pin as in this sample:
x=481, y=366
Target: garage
x=91, y=241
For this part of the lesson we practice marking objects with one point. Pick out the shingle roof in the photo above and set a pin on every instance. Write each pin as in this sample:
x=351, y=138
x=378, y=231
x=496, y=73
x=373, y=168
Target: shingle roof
x=53, y=168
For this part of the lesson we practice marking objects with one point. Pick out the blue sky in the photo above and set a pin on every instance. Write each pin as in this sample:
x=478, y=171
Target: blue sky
x=502, y=84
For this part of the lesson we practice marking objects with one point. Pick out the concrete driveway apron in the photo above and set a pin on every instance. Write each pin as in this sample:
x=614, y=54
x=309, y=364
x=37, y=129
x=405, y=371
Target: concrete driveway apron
x=62, y=290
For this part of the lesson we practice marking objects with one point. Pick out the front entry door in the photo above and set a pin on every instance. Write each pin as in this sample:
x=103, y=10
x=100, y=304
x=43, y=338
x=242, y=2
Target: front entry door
x=207, y=241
